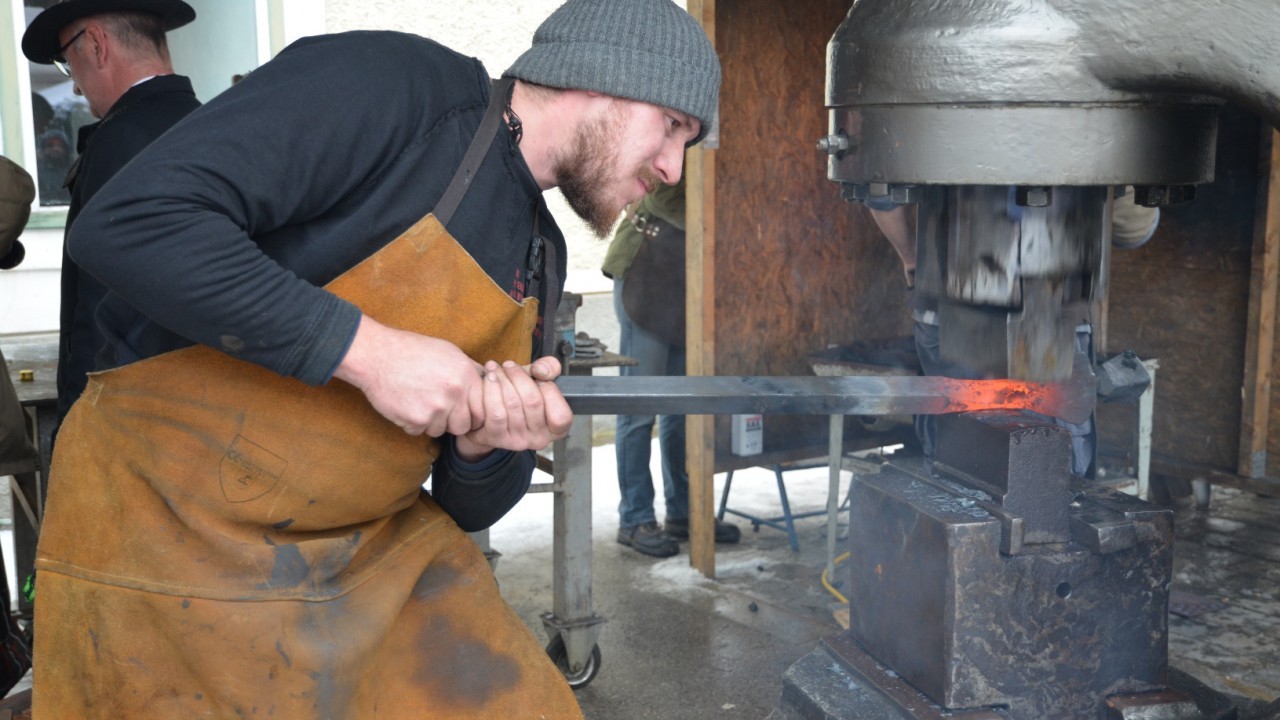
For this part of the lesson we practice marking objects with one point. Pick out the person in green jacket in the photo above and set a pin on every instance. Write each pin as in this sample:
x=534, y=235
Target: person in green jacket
x=646, y=262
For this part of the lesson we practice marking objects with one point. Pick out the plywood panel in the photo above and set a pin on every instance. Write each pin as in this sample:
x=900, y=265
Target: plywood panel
x=797, y=268
x=1260, y=337
x=1184, y=298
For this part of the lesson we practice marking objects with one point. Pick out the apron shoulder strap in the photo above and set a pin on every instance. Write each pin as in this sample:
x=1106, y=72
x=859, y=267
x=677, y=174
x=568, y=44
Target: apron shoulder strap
x=466, y=172
x=479, y=147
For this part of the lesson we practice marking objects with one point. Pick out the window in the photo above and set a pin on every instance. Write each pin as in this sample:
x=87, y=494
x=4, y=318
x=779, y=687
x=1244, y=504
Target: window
x=57, y=114
x=40, y=114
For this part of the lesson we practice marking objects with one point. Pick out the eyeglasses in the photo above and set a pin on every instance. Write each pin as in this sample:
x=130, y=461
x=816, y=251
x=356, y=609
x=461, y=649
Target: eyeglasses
x=60, y=59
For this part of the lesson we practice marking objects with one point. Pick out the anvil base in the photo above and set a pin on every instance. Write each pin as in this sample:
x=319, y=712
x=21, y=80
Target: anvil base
x=840, y=681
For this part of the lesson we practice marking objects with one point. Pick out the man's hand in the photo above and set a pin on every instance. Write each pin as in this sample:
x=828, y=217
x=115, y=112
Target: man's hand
x=522, y=409
x=896, y=226
x=422, y=384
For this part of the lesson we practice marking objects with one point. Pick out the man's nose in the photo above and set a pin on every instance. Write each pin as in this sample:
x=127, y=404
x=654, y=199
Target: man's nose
x=670, y=162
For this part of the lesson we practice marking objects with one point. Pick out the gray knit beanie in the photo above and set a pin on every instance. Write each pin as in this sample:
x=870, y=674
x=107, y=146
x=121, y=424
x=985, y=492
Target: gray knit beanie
x=646, y=50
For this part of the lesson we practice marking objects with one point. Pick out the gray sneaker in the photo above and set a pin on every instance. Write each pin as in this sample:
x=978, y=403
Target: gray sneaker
x=726, y=533
x=649, y=539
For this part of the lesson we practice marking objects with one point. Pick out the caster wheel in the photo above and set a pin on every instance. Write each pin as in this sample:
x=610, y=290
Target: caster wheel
x=584, y=675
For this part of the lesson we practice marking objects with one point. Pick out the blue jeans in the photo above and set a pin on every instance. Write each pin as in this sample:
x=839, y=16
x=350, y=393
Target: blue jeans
x=635, y=432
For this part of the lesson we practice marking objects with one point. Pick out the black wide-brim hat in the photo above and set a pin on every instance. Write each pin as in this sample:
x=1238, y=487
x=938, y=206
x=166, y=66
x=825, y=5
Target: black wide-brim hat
x=40, y=41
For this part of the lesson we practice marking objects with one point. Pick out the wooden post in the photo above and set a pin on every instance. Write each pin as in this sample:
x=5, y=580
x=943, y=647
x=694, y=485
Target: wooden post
x=1260, y=330
x=700, y=296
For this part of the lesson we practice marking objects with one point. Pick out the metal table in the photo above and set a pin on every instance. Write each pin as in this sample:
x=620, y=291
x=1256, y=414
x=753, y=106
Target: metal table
x=572, y=625
x=37, y=353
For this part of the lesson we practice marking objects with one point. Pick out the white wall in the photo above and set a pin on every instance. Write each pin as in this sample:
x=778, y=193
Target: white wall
x=223, y=41
x=496, y=33
x=29, y=294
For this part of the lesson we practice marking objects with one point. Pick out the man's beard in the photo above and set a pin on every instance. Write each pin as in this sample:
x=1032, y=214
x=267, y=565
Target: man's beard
x=585, y=174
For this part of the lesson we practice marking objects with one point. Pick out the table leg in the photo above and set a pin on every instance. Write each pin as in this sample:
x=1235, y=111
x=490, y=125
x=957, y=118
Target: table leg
x=835, y=457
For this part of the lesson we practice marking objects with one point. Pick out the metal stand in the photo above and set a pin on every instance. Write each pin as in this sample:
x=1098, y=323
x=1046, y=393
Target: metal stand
x=784, y=522
x=571, y=624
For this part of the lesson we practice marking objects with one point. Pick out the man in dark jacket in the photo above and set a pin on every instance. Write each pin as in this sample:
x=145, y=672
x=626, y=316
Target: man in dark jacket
x=116, y=54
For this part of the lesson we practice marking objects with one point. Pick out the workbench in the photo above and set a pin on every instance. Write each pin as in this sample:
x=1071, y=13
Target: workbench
x=36, y=355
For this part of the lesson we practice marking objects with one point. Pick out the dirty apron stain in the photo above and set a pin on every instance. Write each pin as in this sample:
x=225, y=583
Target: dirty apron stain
x=223, y=542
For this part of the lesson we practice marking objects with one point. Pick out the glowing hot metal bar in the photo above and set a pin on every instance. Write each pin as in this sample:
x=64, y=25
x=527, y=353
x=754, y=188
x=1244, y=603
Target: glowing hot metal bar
x=816, y=395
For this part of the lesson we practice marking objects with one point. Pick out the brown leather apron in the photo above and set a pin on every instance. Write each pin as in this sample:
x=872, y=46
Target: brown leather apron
x=220, y=541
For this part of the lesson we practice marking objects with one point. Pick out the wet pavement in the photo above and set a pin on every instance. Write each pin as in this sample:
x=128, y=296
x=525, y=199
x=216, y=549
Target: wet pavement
x=1224, y=623
x=677, y=645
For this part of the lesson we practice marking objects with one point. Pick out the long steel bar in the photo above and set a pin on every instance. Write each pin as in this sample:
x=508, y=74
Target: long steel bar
x=821, y=395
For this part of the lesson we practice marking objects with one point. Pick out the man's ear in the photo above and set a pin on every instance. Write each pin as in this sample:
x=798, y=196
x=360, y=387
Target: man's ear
x=97, y=43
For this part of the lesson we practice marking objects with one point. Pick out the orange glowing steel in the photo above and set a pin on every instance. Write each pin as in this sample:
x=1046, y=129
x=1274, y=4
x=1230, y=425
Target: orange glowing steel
x=1066, y=400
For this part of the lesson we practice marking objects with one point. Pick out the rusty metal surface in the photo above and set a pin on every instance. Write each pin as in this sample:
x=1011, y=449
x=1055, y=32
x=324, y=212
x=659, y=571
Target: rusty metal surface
x=840, y=680
x=1162, y=705
x=1047, y=633
x=1020, y=460
x=1122, y=378
x=867, y=672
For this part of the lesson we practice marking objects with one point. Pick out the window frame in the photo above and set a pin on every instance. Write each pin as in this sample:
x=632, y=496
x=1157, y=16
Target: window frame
x=276, y=23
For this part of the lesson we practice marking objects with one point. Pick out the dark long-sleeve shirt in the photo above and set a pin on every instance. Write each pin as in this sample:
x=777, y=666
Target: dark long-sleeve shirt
x=224, y=230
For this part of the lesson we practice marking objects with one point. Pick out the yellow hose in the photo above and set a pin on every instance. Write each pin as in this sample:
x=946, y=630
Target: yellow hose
x=826, y=583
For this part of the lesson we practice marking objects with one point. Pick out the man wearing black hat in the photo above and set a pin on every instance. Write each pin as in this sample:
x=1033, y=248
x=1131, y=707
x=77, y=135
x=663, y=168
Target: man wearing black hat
x=116, y=54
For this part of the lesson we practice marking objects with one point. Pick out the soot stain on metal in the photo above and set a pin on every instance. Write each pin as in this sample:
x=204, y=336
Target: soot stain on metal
x=330, y=691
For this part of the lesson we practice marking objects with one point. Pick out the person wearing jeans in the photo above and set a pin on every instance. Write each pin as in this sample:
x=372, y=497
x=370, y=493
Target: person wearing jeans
x=655, y=340
x=638, y=526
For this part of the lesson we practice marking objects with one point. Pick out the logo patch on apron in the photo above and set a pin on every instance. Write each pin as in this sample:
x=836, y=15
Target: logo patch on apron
x=248, y=471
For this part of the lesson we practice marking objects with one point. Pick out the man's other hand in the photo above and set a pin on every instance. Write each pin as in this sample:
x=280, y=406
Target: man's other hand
x=521, y=407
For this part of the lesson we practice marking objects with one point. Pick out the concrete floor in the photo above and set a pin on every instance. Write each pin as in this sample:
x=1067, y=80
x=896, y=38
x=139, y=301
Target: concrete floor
x=677, y=645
